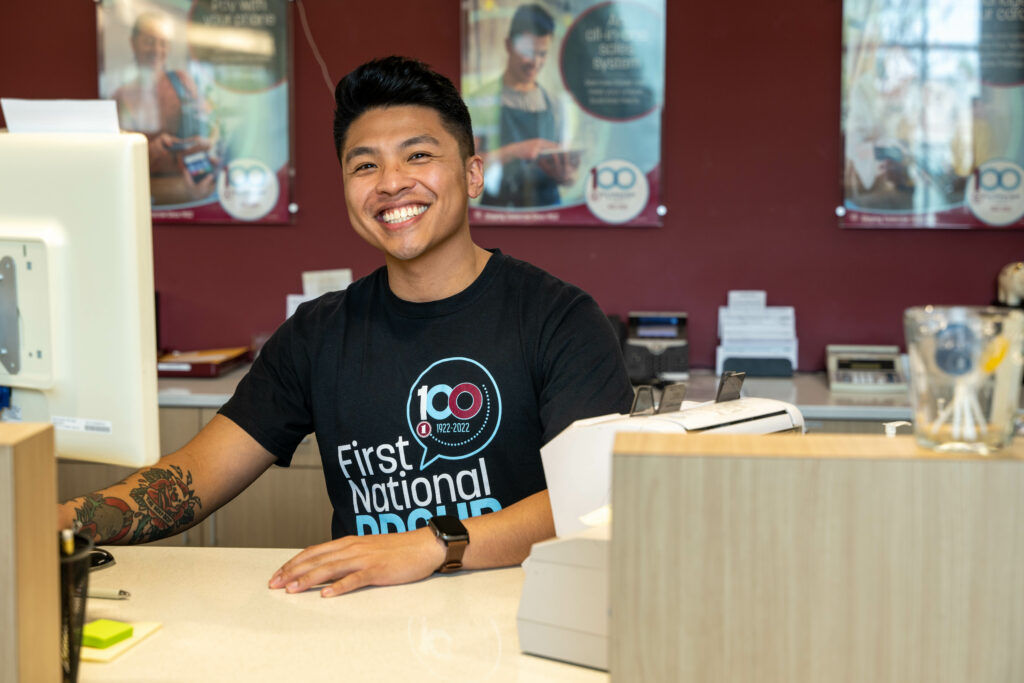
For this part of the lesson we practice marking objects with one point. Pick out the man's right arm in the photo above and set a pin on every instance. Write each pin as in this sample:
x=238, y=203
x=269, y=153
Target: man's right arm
x=176, y=493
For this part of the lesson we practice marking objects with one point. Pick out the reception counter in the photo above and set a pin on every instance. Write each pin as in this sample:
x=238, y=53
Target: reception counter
x=220, y=622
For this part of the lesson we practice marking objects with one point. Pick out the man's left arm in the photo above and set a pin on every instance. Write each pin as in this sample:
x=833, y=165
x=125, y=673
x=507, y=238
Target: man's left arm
x=496, y=539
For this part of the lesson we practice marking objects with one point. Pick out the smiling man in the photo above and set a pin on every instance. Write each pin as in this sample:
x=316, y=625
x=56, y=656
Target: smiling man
x=431, y=384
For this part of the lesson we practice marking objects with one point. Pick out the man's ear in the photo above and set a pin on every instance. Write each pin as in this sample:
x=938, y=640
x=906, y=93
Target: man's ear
x=475, y=176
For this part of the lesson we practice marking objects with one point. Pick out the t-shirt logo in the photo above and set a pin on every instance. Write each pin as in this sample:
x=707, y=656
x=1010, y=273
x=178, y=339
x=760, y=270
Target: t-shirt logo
x=454, y=410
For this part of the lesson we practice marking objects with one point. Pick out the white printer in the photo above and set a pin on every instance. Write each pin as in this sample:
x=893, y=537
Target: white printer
x=563, y=611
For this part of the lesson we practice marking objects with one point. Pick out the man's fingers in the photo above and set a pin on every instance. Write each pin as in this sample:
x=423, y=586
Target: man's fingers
x=318, y=573
x=347, y=584
x=312, y=556
x=355, y=561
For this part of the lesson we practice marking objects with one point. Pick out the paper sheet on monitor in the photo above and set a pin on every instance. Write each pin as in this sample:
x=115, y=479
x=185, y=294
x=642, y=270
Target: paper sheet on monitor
x=60, y=116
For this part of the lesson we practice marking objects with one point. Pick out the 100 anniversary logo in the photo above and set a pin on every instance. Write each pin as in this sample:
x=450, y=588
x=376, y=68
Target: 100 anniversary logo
x=454, y=410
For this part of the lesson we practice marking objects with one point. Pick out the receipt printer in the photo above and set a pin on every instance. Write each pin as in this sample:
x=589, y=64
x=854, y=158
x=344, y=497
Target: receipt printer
x=564, y=606
x=656, y=347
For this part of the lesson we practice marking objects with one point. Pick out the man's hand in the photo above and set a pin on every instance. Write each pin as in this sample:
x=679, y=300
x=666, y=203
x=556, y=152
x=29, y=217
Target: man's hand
x=561, y=166
x=352, y=562
x=197, y=190
x=497, y=539
x=163, y=157
x=205, y=185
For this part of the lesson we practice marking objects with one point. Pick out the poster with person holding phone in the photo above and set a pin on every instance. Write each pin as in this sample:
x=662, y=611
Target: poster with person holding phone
x=206, y=83
x=566, y=99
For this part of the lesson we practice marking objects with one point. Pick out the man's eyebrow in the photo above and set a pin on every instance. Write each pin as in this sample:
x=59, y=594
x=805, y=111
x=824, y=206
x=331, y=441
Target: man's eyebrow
x=411, y=142
x=419, y=140
x=357, y=151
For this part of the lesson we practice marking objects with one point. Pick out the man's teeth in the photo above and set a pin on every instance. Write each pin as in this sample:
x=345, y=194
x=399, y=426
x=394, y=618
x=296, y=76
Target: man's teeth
x=402, y=214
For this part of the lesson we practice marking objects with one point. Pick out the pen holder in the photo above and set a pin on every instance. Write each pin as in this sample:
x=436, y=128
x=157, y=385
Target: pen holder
x=74, y=583
x=965, y=372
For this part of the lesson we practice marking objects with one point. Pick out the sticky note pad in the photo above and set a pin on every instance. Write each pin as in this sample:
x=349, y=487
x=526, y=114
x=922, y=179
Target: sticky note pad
x=103, y=633
x=141, y=630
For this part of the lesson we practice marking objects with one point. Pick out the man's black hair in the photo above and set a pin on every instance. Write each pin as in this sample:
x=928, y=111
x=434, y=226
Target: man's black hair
x=398, y=81
x=532, y=19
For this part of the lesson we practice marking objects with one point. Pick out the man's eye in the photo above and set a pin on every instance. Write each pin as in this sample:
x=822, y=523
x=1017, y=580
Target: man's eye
x=362, y=167
x=418, y=155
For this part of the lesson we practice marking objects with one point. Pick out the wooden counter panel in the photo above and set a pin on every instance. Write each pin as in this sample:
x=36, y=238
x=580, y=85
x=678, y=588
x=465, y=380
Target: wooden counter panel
x=30, y=630
x=814, y=558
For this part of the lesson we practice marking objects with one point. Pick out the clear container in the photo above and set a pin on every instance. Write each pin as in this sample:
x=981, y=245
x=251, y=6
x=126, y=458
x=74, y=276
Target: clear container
x=965, y=375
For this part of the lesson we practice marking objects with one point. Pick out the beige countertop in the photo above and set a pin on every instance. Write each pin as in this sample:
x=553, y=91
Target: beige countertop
x=220, y=622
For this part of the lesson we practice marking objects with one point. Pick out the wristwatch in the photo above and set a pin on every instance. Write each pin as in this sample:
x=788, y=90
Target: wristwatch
x=453, y=534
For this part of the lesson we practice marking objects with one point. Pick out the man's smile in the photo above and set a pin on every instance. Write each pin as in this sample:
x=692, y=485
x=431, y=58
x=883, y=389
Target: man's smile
x=401, y=214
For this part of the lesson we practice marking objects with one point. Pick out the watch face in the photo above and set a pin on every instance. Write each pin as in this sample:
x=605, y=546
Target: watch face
x=447, y=525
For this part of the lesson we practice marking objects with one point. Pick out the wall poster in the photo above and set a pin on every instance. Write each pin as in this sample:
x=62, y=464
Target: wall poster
x=566, y=98
x=208, y=83
x=933, y=114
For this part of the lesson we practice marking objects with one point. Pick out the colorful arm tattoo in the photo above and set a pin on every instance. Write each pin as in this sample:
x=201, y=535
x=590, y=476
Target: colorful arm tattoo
x=103, y=518
x=165, y=504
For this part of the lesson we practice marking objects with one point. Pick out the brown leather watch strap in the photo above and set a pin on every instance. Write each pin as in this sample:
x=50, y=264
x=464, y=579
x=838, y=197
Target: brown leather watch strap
x=452, y=532
x=453, y=557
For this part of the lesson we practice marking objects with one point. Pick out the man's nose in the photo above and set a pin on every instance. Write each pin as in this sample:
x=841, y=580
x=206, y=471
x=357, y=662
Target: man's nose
x=393, y=178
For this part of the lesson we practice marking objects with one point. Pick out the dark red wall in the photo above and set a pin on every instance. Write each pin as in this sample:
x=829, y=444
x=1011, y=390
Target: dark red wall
x=751, y=178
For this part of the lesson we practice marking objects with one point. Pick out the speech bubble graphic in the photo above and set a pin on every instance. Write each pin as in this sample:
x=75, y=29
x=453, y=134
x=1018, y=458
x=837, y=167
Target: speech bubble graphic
x=454, y=410
x=248, y=189
x=995, y=192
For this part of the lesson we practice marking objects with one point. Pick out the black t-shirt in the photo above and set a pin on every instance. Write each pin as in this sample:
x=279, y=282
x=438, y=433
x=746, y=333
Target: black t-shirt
x=424, y=409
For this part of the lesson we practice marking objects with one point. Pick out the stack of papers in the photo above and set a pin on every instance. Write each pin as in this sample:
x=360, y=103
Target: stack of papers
x=316, y=283
x=749, y=328
x=203, y=363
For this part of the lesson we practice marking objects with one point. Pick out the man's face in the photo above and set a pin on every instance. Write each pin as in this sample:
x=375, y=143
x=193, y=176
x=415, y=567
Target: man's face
x=150, y=45
x=407, y=186
x=526, y=55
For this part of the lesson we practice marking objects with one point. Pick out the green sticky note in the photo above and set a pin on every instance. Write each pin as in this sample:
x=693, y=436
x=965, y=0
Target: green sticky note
x=103, y=633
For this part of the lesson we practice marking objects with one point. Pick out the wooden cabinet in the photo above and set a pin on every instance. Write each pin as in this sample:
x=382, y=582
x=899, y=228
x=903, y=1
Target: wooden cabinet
x=30, y=608
x=287, y=507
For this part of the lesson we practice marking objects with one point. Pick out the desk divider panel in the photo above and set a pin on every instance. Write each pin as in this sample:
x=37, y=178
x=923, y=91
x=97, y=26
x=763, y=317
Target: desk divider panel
x=793, y=559
x=29, y=565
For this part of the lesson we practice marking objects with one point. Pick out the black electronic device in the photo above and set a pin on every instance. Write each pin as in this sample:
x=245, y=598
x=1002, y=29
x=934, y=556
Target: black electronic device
x=759, y=367
x=100, y=558
x=656, y=346
x=198, y=165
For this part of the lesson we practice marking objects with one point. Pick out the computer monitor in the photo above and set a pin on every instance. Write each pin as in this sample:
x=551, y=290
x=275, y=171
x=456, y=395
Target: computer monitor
x=77, y=321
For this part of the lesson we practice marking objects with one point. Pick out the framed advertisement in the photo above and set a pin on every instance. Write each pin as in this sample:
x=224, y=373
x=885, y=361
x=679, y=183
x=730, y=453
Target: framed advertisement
x=932, y=113
x=209, y=84
x=566, y=98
